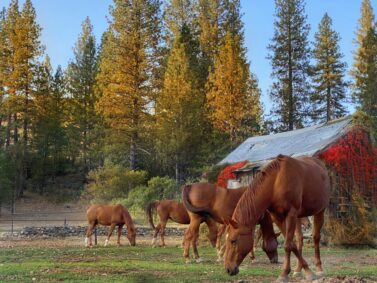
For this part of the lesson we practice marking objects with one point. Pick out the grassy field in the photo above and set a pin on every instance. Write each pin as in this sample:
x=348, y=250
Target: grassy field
x=74, y=263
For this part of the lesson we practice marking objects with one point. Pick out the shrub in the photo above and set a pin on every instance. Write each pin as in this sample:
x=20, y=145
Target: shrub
x=158, y=188
x=113, y=181
x=358, y=226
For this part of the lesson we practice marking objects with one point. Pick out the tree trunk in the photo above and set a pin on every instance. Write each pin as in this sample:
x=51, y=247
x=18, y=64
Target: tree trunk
x=7, y=139
x=290, y=79
x=15, y=133
x=328, y=104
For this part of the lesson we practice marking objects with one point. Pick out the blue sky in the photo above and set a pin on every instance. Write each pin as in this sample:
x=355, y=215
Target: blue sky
x=61, y=22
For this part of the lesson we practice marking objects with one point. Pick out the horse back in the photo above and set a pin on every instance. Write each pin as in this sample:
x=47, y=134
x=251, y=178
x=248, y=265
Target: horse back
x=106, y=214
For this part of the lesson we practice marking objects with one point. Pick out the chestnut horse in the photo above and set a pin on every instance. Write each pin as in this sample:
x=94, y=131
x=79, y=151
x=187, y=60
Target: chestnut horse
x=205, y=199
x=110, y=215
x=175, y=211
x=288, y=188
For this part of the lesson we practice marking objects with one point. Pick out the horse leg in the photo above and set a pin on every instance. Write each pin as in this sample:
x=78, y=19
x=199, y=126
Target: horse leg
x=255, y=243
x=112, y=227
x=212, y=230
x=194, y=242
x=290, y=246
x=156, y=231
x=220, y=248
x=318, y=223
x=220, y=233
x=163, y=226
x=120, y=227
x=186, y=244
x=89, y=233
x=300, y=243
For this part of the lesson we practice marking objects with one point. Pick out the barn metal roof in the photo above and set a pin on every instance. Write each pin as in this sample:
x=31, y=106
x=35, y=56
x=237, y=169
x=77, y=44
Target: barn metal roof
x=302, y=142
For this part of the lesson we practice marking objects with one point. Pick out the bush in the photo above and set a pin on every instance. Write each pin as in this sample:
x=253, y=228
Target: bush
x=358, y=226
x=112, y=181
x=158, y=188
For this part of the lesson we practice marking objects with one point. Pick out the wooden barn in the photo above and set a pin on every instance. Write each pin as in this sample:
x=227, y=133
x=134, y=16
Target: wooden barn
x=345, y=147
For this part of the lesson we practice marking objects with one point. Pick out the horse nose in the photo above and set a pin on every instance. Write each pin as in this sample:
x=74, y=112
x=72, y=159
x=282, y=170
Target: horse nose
x=274, y=259
x=232, y=272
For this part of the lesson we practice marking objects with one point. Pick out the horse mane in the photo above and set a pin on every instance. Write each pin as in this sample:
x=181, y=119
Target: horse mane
x=127, y=218
x=245, y=209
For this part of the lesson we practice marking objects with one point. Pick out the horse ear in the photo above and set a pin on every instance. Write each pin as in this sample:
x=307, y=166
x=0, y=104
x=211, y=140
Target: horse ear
x=233, y=223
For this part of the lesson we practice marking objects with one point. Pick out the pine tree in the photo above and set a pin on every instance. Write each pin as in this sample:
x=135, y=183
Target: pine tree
x=48, y=134
x=328, y=74
x=179, y=109
x=209, y=13
x=81, y=79
x=179, y=13
x=365, y=23
x=126, y=65
x=2, y=71
x=290, y=64
x=366, y=74
x=232, y=96
x=6, y=69
x=27, y=49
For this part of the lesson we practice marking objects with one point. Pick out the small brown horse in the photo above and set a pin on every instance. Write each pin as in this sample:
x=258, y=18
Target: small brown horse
x=175, y=211
x=288, y=188
x=110, y=215
x=205, y=199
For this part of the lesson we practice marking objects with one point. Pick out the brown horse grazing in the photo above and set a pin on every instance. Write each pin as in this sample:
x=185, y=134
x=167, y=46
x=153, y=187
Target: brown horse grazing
x=110, y=215
x=176, y=211
x=288, y=188
x=205, y=199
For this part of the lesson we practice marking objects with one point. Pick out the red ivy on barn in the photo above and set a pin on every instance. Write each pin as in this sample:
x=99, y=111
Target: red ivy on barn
x=355, y=159
x=227, y=173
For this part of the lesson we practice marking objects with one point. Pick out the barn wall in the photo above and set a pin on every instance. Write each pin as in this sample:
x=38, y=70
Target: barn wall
x=352, y=165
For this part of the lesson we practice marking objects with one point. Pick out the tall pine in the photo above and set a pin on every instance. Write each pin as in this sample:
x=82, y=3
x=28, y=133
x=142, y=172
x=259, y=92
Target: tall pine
x=328, y=74
x=179, y=108
x=81, y=79
x=127, y=62
x=366, y=74
x=233, y=95
x=365, y=23
x=289, y=55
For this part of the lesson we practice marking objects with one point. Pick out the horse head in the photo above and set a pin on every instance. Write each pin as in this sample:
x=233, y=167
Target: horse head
x=131, y=236
x=237, y=245
x=270, y=247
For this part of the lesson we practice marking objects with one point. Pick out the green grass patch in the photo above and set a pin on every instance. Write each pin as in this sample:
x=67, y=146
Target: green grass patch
x=146, y=264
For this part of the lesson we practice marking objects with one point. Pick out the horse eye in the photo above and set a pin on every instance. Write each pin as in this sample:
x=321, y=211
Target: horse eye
x=233, y=242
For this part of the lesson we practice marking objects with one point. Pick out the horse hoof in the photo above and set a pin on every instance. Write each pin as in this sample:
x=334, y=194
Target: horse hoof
x=219, y=259
x=187, y=260
x=282, y=279
x=309, y=276
x=320, y=274
x=106, y=243
x=199, y=260
x=297, y=274
x=254, y=260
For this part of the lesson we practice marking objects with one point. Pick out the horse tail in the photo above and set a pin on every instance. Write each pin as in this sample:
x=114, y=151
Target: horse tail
x=203, y=211
x=149, y=210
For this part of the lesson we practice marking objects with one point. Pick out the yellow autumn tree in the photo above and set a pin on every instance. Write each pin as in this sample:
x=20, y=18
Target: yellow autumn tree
x=232, y=92
x=179, y=109
x=127, y=61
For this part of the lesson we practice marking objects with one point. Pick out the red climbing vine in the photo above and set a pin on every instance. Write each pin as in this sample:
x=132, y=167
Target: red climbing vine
x=227, y=173
x=355, y=159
